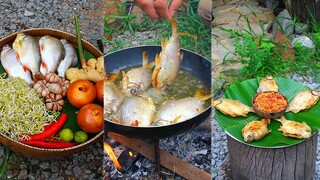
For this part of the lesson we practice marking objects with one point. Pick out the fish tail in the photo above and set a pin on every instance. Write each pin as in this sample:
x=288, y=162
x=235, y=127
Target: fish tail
x=174, y=26
x=37, y=77
x=145, y=59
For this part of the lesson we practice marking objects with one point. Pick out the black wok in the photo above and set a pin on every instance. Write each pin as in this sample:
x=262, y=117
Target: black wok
x=199, y=66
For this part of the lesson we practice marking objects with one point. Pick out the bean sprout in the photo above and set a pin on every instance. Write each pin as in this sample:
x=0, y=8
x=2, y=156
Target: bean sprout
x=21, y=110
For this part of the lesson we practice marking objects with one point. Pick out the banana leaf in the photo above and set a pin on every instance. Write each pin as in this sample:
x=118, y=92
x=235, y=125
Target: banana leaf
x=244, y=92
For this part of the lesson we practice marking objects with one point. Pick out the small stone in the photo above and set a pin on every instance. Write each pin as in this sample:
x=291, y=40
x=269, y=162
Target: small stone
x=68, y=172
x=28, y=13
x=34, y=161
x=77, y=171
x=44, y=165
x=23, y=174
x=54, y=175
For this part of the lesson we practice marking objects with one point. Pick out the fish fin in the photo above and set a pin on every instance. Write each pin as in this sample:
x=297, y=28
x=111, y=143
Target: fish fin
x=44, y=65
x=202, y=94
x=25, y=69
x=155, y=73
x=18, y=56
x=135, y=123
x=187, y=34
x=6, y=70
x=41, y=47
x=112, y=77
x=145, y=59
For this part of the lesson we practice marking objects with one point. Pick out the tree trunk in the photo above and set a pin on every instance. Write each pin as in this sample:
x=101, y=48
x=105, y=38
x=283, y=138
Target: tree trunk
x=294, y=162
x=304, y=9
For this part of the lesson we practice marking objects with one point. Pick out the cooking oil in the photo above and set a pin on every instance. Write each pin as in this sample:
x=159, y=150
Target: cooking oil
x=186, y=85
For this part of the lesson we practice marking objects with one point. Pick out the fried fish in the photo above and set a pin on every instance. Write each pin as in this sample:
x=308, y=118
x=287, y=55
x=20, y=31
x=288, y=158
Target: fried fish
x=267, y=84
x=231, y=107
x=305, y=99
x=255, y=130
x=294, y=129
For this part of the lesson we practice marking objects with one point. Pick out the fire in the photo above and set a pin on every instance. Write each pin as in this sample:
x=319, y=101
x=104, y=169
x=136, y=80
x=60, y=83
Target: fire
x=111, y=154
x=130, y=154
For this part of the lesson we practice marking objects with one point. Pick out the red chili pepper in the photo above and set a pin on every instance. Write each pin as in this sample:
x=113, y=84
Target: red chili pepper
x=51, y=130
x=49, y=145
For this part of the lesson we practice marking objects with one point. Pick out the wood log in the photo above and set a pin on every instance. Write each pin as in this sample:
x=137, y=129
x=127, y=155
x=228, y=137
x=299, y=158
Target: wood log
x=304, y=9
x=167, y=160
x=289, y=163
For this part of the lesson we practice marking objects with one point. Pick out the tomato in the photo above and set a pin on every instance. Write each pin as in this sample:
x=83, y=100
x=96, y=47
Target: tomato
x=81, y=92
x=90, y=118
x=99, y=88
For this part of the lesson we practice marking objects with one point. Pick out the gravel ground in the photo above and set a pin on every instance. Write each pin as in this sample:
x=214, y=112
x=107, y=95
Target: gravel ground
x=17, y=15
x=220, y=157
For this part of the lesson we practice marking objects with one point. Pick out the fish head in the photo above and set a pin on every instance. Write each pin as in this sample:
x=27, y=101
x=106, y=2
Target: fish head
x=269, y=77
x=315, y=93
x=248, y=136
x=216, y=102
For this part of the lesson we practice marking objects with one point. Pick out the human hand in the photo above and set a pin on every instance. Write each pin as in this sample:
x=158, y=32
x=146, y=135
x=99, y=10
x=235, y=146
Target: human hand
x=157, y=9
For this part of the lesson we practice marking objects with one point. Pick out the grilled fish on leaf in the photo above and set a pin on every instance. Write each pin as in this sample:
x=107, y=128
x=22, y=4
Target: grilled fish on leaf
x=255, y=130
x=305, y=99
x=70, y=58
x=167, y=62
x=12, y=66
x=294, y=129
x=137, y=80
x=267, y=84
x=27, y=51
x=136, y=111
x=231, y=107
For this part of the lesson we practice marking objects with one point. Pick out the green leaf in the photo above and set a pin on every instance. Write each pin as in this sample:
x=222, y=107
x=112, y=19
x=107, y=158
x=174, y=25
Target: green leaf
x=244, y=92
x=4, y=163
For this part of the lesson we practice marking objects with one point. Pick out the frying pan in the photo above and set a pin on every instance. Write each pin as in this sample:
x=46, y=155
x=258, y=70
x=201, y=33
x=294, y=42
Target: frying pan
x=192, y=62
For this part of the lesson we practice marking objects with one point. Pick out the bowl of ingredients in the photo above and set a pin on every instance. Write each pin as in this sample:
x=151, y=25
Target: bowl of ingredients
x=39, y=117
x=269, y=104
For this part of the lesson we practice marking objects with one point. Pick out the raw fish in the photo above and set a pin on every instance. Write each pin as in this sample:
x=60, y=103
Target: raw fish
x=70, y=58
x=12, y=66
x=52, y=52
x=27, y=51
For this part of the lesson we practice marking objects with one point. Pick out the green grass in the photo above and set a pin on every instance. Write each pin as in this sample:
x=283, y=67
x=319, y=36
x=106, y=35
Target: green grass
x=260, y=57
x=187, y=20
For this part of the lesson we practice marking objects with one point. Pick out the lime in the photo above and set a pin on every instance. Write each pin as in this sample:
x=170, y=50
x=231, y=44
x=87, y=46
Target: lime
x=66, y=135
x=80, y=136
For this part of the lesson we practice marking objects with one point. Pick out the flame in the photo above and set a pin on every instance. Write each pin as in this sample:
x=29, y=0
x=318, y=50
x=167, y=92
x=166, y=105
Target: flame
x=111, y=154
x=130, y=154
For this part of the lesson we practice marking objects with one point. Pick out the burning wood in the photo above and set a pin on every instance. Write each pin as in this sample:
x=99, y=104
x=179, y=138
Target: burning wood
x=111, y=154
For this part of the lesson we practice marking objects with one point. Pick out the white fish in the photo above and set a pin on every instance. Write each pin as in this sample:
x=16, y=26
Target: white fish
x=52, y=52
x=305, y=99
x=231, y=107
x=27, y=51
x=267, y=84
x=179, y=110
x=167, y=62
x=70, y=58
x=136, y=111
x=12, y=66
x=137, y=80
x=294, y=129
x=113, y=97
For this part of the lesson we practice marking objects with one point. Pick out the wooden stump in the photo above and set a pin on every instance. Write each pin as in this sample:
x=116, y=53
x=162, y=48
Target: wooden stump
x=294, y=162
x=304, y=9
